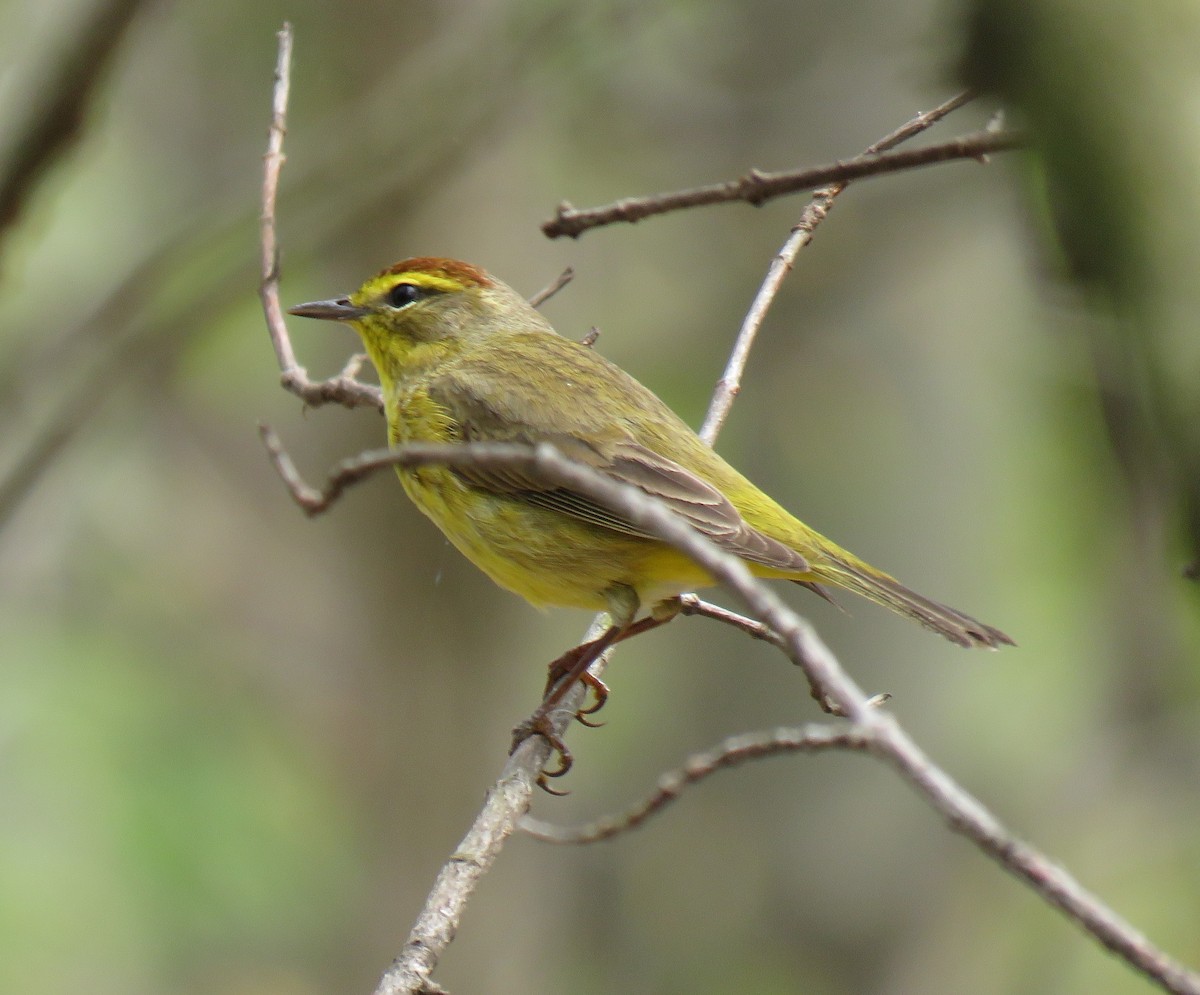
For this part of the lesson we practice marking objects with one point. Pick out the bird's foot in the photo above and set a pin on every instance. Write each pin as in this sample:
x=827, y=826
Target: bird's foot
x=538, y=724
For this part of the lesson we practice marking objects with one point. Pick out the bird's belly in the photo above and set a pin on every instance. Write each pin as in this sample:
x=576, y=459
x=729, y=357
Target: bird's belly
x=547, y=557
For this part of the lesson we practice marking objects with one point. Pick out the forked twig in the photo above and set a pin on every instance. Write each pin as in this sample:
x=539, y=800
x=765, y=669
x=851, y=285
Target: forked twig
x=781, y=265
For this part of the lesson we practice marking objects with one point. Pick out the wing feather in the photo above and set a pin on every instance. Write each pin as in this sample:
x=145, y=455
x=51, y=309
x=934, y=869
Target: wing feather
x=518, y=413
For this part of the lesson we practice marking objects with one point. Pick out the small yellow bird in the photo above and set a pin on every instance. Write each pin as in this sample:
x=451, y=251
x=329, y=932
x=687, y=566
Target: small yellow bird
x=462, y=357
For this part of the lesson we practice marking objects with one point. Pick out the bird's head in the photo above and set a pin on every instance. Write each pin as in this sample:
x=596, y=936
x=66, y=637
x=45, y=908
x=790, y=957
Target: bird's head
x=419, y=312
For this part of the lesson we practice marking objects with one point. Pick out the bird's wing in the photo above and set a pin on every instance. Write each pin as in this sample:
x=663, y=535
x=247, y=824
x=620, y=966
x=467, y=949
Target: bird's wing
x=593, y=433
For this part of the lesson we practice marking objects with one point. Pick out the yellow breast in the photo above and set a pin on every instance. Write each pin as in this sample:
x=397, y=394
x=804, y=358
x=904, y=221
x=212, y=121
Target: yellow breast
x=545, y=556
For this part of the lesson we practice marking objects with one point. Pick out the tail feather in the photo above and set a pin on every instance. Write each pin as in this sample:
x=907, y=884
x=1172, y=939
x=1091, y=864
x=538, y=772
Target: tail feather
x=958, y=627
x=821, y=592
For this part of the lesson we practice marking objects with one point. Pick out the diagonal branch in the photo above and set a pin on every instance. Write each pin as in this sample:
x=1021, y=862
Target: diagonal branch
x=884, y=737
x=553, y=287
x=55, y=119
x=801, y=235
x=757, y=187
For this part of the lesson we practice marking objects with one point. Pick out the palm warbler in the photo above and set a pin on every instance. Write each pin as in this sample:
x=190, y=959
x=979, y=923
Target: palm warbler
x=462, y=357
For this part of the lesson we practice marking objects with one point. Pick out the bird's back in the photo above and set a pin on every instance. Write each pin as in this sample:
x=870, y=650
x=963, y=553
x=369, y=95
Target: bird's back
x=572, y=396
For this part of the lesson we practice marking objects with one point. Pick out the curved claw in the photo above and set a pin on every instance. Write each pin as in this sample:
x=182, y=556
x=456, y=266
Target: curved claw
x=564, y=764
x=537, y=725
x=600, y=690
x=541, y=783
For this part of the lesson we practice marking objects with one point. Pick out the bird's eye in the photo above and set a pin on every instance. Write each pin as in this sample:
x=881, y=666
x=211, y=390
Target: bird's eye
x=403, y=294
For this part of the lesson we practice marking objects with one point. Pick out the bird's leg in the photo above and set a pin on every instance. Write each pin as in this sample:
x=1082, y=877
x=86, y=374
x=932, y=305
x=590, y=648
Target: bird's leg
x=560, y=668
x=566, y=663
x=660, y=614
x=573, y=666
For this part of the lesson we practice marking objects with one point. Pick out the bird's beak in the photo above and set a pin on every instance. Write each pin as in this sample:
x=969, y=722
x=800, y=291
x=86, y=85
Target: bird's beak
x=334, y=310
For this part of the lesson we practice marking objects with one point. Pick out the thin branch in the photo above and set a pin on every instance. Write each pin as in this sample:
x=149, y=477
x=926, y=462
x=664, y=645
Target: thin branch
x=729, y=753
x=690, y=604
x=552, y=288
x=273, y=162
x=926, y=119
x=885, y=738
x=801, y=235
x=55, y=119
x=129, y=324
x=133, y=324
x=757, y=187
x=342, y=389
x=506, y=801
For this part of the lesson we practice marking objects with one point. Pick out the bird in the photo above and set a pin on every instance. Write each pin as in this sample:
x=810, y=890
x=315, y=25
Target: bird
x=462, y=357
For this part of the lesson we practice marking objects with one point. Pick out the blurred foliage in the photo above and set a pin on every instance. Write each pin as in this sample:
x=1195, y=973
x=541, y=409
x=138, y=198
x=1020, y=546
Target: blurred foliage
x=236, y=745
x=1108, y=92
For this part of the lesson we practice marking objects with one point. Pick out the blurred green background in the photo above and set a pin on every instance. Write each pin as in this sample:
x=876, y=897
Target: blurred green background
x=236, y=745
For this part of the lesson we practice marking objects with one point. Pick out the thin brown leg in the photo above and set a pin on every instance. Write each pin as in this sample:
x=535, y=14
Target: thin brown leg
x=599, y=688
x=572, y=665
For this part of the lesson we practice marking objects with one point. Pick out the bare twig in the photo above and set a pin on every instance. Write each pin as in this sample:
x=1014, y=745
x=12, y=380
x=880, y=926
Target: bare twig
x=273, y=162
x=506, y=801
x=342, y=389
x=729, y=753
x=690, y=604
x=126, y=327
x=801, y=234
x=757, y=187
x=55, y=119
x=883, y=735
x=509, y=797
x=552, y=288
x=926, y=119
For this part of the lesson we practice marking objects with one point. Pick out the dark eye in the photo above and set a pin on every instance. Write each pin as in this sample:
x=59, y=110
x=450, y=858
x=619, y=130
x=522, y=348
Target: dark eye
x=402, y=295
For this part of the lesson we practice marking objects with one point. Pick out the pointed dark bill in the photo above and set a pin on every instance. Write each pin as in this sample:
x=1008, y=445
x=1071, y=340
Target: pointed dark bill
x=332, y=310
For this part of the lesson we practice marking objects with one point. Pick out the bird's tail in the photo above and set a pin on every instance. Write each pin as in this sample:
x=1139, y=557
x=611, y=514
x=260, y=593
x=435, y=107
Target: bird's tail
x=853, y=574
